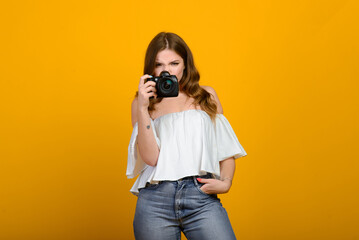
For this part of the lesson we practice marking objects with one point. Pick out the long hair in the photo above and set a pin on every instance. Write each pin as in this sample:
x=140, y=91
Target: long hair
x=190, y=79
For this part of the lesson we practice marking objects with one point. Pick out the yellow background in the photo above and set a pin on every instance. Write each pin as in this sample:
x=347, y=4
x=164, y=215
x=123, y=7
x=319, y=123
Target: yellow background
x=286, y=73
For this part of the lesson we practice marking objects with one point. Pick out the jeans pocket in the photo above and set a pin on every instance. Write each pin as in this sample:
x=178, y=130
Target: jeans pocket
x=198, y=186
x=201, y=191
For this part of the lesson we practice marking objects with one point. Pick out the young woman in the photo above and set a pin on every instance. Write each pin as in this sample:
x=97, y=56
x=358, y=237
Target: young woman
x=183, y=149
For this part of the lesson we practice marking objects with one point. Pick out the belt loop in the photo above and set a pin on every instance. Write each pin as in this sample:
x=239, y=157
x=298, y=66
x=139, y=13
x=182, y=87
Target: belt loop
x=195, y=180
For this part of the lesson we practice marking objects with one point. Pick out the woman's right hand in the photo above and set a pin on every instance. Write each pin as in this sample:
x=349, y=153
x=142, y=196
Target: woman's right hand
x=145, y=91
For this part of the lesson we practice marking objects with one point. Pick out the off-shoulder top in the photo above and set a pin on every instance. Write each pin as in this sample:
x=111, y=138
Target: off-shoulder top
x=190, y=144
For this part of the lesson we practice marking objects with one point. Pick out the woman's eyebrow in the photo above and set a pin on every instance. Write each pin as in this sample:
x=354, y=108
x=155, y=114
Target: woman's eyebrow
x=170, y=62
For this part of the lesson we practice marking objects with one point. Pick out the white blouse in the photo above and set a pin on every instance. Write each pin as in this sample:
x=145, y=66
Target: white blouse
x=190, y=144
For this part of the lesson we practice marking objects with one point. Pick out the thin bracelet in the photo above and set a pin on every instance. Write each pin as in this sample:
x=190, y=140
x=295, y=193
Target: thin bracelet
x=222, y=179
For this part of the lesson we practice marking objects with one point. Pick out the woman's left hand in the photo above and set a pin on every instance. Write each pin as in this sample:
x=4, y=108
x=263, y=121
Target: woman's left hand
x=215, y=186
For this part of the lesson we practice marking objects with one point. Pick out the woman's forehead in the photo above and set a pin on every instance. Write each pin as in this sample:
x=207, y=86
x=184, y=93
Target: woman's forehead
x=167, y=55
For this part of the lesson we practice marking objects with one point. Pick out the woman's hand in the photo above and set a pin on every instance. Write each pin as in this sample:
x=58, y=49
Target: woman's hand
x=145, y=91
x=215, y=186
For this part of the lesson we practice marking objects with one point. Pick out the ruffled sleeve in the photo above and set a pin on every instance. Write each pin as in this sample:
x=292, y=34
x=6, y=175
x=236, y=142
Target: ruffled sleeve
x=227, y=141
x=135, y=164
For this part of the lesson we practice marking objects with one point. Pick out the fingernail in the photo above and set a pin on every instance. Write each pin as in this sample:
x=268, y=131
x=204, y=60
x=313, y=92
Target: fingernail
x=198, y=179
x=150, y=75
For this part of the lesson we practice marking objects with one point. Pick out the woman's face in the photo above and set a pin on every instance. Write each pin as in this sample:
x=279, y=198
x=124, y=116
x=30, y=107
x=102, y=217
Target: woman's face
x=169, y=60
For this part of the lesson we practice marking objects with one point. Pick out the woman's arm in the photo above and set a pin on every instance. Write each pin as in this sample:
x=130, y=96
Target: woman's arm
x=146, y=142
x=215, y=186
x=227, y=166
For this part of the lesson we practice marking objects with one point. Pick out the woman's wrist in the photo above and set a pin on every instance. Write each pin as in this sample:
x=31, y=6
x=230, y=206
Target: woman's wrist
x=226, y=179
x=228, y=183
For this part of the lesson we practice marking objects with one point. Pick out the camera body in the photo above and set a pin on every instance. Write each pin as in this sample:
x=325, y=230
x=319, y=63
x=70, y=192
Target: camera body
x=166, y=85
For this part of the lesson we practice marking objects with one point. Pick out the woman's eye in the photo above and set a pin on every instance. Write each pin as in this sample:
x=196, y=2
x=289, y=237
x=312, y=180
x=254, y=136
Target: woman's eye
x=158, y=64
x=175, y=63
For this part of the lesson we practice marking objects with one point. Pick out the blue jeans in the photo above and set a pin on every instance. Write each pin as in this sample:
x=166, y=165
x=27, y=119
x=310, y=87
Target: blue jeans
x=164, y=210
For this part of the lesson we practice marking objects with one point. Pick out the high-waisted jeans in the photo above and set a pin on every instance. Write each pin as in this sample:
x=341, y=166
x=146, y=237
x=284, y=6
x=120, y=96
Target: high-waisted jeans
x=164, y=210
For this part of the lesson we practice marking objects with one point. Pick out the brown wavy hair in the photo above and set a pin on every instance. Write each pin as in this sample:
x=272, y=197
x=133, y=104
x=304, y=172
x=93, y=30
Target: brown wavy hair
x=190, y=79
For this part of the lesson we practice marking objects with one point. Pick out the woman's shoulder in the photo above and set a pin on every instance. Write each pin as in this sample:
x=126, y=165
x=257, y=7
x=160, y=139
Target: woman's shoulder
x=211, y=91
x=208, y=88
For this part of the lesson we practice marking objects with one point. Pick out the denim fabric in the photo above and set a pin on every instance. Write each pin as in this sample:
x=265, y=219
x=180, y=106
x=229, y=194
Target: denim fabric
x=164, y=210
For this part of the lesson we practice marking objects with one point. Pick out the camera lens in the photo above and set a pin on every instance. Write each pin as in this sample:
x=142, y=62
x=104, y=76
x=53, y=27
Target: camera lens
x=167, y=84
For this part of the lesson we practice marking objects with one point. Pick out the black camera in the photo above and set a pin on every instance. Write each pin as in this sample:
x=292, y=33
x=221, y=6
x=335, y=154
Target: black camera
x=166, y=85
